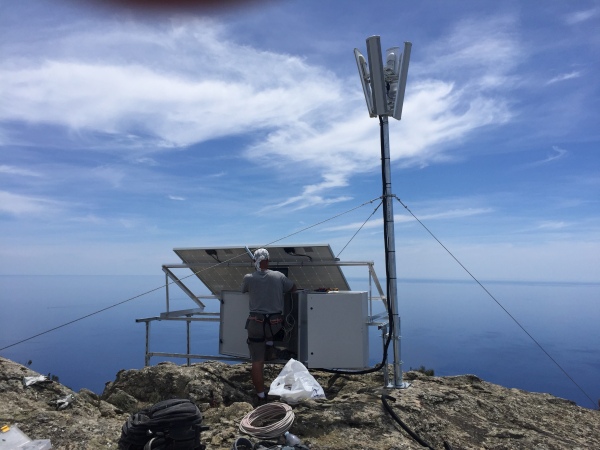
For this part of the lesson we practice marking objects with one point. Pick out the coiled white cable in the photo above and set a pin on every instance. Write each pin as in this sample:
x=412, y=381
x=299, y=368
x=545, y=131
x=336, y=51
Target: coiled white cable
x=268, y=421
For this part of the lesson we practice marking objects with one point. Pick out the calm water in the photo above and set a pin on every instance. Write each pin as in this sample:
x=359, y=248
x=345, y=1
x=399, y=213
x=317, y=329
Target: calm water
x=452, y=327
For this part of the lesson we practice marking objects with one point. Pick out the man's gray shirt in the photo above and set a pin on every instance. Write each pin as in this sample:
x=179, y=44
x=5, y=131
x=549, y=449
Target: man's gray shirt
x=266, y=289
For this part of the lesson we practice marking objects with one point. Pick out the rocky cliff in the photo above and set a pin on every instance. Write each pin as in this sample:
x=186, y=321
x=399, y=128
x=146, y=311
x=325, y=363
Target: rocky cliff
x=463, y=412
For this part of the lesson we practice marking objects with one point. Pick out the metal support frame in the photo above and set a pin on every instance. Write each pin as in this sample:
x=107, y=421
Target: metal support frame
x=198, y=314
x=189, y=318
x=183, y=287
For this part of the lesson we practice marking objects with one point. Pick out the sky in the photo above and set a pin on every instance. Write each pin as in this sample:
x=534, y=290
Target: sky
x=126, y=132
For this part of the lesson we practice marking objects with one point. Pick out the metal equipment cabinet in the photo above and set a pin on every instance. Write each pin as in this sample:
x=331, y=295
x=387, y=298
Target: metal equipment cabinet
x=330, y=329
x=335, y=332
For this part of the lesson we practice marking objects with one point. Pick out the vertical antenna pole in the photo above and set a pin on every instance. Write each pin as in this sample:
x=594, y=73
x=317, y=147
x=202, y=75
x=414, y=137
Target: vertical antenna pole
x=390, y=249
x=384, y=92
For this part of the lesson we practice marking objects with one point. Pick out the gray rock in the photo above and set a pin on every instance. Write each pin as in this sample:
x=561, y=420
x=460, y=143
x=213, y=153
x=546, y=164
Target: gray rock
x=464, y=411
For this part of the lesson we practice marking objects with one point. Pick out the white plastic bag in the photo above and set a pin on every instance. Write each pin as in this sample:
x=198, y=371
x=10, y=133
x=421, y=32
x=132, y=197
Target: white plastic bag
x=295, y=383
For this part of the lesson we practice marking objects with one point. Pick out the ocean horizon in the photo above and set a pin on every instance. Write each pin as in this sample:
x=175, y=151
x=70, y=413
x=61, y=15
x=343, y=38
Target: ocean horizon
x=535, y=336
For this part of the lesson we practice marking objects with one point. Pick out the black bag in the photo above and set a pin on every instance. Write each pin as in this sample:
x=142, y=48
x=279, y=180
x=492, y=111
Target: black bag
x=170, y=425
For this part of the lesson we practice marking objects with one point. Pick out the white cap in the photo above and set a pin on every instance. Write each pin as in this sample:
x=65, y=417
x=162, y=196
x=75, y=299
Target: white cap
x=260, y=255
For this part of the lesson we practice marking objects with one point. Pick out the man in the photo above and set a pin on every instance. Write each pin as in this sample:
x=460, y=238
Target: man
x=266, y=288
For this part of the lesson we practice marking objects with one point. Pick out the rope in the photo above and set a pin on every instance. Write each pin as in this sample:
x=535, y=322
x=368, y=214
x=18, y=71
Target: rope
x=268, y=421
x=500, y=304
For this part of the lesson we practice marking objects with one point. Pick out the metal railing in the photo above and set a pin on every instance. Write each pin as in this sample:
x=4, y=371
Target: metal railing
x=198, y=315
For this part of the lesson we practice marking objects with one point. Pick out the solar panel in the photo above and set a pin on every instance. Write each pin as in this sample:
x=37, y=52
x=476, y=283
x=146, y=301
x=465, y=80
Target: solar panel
x=223, y=268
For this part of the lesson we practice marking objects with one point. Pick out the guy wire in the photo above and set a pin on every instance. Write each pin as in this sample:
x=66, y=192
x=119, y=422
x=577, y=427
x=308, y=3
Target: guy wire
x=360, y=228
x=498, y=303
x=182, y=278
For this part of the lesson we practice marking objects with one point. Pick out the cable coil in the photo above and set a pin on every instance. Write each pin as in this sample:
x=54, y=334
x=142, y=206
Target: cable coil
x=268, y=421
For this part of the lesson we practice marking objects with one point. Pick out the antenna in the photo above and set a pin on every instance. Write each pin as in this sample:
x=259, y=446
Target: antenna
x=378, y=87
x=383, y=85
x=399, y=101
x=392, y=72
x=363, y=72
x=384, y=93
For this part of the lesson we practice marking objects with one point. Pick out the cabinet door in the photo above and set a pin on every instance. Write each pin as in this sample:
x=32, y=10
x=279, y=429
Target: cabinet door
x=336, y=330
x=232, y=330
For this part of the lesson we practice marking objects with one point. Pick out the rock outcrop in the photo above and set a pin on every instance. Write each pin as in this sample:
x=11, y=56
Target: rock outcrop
x=463, y=412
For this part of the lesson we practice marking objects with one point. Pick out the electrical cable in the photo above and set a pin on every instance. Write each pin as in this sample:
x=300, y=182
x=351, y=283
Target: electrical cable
x=291, y=251
x=289, y=323
x=268, y=421
x=405, y=427
x=498, y=303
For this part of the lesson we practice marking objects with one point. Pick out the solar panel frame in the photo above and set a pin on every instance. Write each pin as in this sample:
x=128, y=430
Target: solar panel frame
x=310, y=266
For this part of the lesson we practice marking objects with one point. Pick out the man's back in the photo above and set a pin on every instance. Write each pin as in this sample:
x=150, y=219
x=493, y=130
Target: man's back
x=266, y=289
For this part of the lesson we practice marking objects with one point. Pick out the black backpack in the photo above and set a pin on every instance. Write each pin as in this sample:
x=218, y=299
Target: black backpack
x=170, y=425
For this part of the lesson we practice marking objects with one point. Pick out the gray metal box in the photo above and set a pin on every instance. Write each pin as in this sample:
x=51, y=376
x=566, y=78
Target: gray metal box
x=330, y=329
x=335, y=333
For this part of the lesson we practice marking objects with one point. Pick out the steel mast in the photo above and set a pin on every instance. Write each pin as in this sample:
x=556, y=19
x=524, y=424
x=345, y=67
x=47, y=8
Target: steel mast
x=384, y=88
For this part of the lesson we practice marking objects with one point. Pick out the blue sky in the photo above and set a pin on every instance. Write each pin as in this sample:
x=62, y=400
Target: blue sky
x=124, y=135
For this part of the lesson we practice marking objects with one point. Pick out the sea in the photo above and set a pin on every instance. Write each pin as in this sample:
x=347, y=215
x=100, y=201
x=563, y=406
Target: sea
x=538, y=337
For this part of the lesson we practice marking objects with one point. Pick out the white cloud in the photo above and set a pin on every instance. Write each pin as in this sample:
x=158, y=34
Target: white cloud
x=582, y=16
x=442, y=215
x=305, y=201
x=481, y=52
x=443, y=106
x=147, y=161
x=89, y=219
x=436, y=115
x=177, y=198
x=204, y=87
x=564, y=76
x=558, y=153
x=12, y=170
x=188, y=84
x=553, y=225
x=20, y=205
